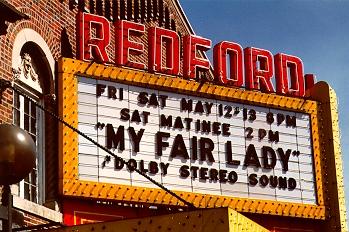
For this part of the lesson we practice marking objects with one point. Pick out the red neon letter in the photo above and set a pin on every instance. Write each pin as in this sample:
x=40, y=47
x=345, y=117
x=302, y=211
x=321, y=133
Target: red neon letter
x=191, y=46
x=309, y=80
x=259, y=69
x=289, y=68
x=92, y=47
x=126, y=47
x=158, y=37
x=234, y=51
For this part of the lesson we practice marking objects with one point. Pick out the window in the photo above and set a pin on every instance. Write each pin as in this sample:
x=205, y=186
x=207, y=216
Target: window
x=30, y=118
x=33, y=68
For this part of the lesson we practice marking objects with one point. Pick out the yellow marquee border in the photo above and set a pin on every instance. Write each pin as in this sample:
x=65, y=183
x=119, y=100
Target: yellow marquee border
x=70, y=185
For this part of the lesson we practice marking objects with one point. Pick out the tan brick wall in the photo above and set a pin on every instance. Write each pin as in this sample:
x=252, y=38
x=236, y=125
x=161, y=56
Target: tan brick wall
x=30, y=220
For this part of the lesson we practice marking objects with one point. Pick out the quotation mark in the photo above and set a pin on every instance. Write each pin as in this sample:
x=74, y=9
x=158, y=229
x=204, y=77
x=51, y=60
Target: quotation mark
x=100, y=125
x=106, y=161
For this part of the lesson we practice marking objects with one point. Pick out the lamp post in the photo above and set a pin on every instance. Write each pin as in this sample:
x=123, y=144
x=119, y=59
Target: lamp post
x=17, y=159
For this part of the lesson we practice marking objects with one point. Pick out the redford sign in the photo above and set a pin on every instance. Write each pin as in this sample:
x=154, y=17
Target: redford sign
x=253, y=66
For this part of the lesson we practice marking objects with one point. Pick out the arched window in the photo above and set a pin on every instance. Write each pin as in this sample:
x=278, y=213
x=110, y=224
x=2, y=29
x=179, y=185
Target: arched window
x=33, y=76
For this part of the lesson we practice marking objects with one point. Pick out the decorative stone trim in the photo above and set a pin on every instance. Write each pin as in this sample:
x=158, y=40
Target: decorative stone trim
x=37, y=210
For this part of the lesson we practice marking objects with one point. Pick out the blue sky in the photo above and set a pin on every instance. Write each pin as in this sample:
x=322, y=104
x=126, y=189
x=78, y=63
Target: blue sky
x=315, y=31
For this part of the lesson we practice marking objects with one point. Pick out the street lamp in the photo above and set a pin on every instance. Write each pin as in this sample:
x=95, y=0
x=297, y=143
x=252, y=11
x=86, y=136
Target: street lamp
x=17, y=159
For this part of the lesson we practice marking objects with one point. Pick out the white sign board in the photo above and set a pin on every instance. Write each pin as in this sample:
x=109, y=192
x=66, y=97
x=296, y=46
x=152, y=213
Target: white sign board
x=194, y=144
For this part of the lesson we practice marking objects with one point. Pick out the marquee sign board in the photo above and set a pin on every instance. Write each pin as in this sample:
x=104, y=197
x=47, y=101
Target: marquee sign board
x=212, y=145
x=194, y=144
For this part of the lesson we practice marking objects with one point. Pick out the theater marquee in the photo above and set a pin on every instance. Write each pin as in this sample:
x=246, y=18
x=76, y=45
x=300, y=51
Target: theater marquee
x=212, y=145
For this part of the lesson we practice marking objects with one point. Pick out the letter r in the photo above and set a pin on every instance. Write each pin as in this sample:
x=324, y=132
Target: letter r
x=92, y=46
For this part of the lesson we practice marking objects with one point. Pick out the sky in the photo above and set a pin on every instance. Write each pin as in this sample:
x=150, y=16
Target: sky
x=315, y=31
